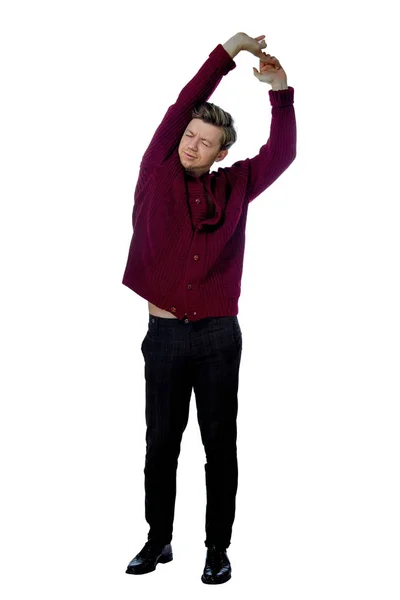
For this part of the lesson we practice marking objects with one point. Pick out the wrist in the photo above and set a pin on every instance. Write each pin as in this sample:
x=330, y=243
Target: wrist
x=234, y=45
x=279, y=85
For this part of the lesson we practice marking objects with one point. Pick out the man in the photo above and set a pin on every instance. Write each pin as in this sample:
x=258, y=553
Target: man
x=186, y=260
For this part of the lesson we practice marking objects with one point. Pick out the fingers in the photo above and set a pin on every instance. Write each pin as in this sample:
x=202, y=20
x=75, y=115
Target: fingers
x=261, y=41
x=267, y=58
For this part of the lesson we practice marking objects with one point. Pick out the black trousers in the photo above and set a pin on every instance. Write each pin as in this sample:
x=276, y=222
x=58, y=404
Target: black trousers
x=180, y=356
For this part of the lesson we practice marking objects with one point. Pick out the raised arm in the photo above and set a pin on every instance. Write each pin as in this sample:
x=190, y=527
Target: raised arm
x=199, y=89
x=279, y=151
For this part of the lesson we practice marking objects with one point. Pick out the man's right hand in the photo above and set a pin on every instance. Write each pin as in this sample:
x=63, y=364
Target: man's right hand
x=253, y=45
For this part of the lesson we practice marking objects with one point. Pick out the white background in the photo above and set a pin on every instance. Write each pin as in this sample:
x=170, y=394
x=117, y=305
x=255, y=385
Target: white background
x=84, y=86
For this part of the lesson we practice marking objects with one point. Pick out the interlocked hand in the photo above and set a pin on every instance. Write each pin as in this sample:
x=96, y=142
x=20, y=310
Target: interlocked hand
x=253, y=45
x=270, y=69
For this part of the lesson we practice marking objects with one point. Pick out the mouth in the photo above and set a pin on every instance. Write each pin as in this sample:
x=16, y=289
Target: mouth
x=188, y=155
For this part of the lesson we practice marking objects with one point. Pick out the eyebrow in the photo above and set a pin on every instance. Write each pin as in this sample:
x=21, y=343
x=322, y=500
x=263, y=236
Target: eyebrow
x=207, y=140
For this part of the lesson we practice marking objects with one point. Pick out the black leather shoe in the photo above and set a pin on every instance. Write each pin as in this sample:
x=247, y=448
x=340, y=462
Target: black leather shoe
x=150, y=555
x=217, y=568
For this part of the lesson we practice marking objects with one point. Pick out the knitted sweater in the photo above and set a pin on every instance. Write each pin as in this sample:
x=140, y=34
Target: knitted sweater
x=184, y=258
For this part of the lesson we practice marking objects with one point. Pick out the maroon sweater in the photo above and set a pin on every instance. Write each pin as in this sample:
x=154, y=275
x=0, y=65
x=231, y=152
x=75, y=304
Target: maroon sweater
x=180, y=258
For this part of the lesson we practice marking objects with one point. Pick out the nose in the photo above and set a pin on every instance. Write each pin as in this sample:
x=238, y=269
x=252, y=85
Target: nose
x=193, y=143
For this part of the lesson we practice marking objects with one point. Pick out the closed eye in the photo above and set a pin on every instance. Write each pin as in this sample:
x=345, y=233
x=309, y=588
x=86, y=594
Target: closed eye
x=192, y=136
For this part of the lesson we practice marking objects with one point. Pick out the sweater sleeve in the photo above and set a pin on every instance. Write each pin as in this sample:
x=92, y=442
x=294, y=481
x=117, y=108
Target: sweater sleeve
x=279, y=151
x=169, y=133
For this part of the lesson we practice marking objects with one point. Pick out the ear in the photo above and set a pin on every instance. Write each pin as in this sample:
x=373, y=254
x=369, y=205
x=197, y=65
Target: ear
x=221, y=155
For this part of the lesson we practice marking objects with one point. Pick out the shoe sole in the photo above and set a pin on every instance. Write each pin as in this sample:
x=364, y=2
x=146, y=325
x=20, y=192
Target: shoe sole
x=222, y=580
x=162, y=560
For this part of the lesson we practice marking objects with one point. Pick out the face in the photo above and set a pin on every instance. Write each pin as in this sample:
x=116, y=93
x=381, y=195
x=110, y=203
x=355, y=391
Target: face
x=201, y=141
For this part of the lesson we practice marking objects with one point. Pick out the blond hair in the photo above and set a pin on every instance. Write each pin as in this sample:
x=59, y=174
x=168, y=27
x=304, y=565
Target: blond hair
x=213, y=114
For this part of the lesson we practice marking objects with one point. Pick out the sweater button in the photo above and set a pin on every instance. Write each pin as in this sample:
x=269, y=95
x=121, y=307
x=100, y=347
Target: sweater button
x=189, y=286
x=197, y=200
x=173, y=309
x=196, y=257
